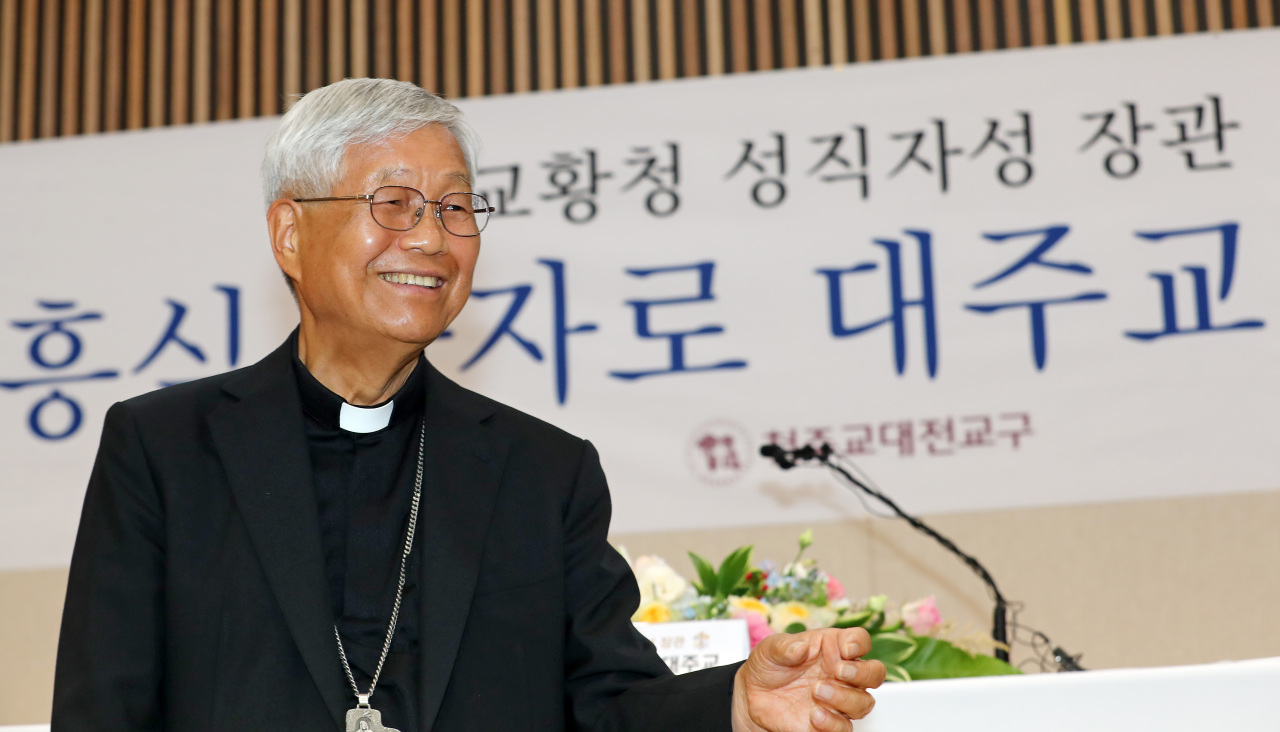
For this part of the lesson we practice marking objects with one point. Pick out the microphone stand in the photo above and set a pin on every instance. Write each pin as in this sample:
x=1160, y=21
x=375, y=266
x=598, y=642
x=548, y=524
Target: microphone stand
x=786, y=459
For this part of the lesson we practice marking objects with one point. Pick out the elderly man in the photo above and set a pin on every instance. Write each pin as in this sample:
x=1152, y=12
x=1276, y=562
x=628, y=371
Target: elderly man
x=340, y=537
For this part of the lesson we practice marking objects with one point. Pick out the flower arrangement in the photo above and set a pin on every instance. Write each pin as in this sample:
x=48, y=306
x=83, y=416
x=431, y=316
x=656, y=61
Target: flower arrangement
x=913, y=642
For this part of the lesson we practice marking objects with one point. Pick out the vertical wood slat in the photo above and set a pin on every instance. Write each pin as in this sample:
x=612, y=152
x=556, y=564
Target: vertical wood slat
x=1062, y=20
x=862, y=48
x=1138, y=18
x=739, y=36
x=137, y=49
x=764, y=34
x=1213, y=16
x=838, y=32
x=1239, y=14
x=385, y=30
x=1013, y=24
x=475, y=48
x=1038, y=22
x=246, y=62
x=450, y=69
x=546, y=34
x=71, y=57
x=814, y=32
x=521, y=47
x=357, y=38
x=8, y=68
x=114, y=71
x=936, y=24
x=202, y=62
x=428, y=40
x=666, y=12
x=964, y=34
x=498, y=80
x=713, y=21
x=224, y=89
x=1266, y=14
x=91, y=109
x=404, y=41
x=291, y=47
x=911, y=29
x=788, y=27
x=640, y=57
x=593, y=33
x=268, y=58
x=313, y=71
x=1114, y=18
x=158, y=66
x=889, y=28
x=179, y=84
x=48, y=71
x=1089, y=21
x=1190, y=16
x=568, y=43
x=987, y=25
x=618, y=41
x=691, y=21
x=1164, y=17
x=26, y=107
x=337, y=66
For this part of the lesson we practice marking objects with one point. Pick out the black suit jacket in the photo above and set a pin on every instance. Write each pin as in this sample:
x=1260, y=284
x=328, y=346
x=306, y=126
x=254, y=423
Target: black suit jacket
x=197, y=597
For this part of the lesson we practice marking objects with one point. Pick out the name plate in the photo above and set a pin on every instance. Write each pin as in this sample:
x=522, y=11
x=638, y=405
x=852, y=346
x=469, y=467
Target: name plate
x=697, y=644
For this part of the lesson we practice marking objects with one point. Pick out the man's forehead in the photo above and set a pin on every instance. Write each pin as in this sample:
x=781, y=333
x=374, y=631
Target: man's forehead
x=390, y=173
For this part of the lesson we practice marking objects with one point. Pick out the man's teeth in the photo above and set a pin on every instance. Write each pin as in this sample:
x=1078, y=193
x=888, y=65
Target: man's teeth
x=400, y=278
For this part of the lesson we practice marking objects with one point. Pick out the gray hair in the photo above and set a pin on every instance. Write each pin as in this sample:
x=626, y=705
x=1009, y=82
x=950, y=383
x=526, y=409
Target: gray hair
x=304, y=156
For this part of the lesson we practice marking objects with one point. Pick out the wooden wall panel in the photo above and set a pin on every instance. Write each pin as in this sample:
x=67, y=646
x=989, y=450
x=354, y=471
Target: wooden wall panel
x=71, y=67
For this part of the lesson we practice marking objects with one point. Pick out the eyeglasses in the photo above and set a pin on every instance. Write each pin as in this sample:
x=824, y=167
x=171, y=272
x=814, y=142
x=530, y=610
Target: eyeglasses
x=400, y=208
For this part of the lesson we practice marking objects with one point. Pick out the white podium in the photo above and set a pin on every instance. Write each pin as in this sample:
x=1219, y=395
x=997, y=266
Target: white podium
x=1234, y=696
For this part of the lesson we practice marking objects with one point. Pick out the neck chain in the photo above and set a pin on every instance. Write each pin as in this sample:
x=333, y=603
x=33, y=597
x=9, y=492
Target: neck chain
x=364, y=717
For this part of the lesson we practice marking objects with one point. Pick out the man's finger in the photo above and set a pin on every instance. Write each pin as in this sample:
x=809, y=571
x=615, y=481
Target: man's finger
x=786, y=650
x=865, y=674
x=825, y=720
x=854, y=642
x=852, y=703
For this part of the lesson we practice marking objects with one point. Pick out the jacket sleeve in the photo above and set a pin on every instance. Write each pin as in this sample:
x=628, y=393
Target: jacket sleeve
x=109, y=664
x=614, y=679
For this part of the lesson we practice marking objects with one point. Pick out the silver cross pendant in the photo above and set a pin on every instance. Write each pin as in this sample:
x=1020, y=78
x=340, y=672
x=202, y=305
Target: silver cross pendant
x=365, y=718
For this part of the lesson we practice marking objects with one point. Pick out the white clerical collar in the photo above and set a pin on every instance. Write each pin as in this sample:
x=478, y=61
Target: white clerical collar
x=365, y=419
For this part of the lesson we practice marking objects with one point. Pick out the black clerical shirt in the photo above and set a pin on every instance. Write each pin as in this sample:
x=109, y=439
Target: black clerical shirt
x=364, y=489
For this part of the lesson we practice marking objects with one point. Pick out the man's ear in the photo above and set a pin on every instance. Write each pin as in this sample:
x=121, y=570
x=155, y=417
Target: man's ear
x=282, y=227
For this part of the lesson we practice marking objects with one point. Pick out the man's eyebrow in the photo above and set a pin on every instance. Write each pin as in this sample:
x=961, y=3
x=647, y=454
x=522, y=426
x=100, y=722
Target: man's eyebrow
x=462, y=177
x=390, y=172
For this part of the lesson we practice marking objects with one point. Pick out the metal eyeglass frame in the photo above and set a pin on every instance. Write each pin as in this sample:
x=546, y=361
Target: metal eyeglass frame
x=370, y=196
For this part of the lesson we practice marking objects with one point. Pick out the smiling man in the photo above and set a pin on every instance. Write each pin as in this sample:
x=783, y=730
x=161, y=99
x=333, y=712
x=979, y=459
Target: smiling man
x=340, y=537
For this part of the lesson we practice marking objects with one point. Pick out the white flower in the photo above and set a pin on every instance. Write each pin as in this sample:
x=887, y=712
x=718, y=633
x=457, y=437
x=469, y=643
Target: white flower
x=658, y=581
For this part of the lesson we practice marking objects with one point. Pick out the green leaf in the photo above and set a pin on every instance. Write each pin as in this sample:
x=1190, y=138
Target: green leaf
x=891, y=648
x=733, y=571
x=706, y=575
x=892, y=627
x=894, y=672
x=857, y=620
x=935, y=658
x=795, y=628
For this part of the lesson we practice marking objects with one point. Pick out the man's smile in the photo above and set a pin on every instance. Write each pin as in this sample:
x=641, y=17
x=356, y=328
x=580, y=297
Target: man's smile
x=402, y=278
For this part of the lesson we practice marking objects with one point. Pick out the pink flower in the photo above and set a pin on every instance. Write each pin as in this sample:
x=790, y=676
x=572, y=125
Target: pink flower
x=922, y=616
x=835, y=590
x=757, y=627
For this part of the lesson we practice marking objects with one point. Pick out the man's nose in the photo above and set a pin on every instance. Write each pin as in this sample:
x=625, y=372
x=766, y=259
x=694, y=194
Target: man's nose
x=429, y=236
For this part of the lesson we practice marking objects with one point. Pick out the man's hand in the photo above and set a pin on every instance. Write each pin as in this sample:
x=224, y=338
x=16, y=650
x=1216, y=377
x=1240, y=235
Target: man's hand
x=804, y=682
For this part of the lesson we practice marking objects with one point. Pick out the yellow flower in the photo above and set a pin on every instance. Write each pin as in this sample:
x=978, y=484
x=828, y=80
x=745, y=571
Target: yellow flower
x=750, y=605
x=653, y=612
x=786, y=613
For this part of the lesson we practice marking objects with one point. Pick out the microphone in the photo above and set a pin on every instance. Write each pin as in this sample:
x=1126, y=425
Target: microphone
x=786, y=459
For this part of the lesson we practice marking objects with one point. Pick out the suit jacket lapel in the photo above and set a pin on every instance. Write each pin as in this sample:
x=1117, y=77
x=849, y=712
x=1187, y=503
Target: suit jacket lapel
x=464, y=465
x=261, y=439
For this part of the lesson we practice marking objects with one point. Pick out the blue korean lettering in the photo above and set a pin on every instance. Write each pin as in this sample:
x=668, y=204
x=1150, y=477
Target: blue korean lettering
x=50, y=333
x=561, y=330
x=173, y=337
x=677, y=362
x=898, y=302
x=1228, y=236
x=1050, y=237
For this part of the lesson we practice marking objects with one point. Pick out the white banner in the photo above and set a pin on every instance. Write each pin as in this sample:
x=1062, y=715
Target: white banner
x=1002, y=280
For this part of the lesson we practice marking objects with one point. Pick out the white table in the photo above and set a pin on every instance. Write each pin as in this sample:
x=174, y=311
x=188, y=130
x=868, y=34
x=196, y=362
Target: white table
x=1236, y=696
x=1232, y=697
